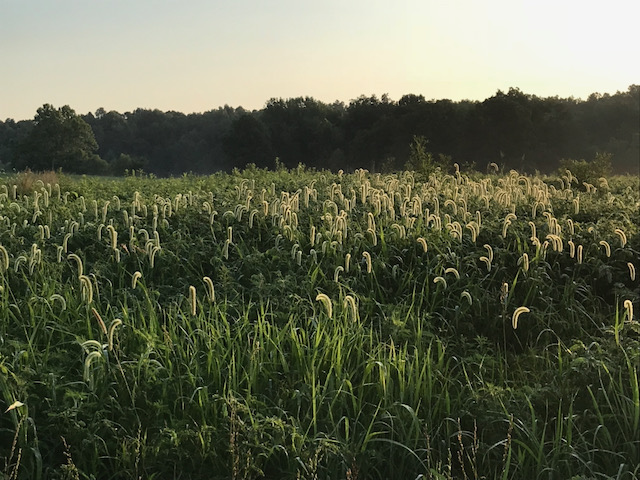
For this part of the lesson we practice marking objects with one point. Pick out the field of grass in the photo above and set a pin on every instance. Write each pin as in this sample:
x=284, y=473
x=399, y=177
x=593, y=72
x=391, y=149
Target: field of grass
x=318, y=325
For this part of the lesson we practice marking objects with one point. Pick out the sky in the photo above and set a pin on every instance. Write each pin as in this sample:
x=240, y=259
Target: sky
x=197, y=55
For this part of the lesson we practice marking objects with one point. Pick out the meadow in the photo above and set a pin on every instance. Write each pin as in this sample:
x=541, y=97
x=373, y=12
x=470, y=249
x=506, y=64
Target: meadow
x=317, y=325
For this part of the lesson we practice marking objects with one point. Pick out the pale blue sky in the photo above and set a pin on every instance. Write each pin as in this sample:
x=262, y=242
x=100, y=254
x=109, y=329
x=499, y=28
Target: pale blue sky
x=194, y=56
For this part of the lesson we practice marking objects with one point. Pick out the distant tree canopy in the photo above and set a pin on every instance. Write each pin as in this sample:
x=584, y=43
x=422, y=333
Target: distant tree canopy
x=512, y=129
x=59, y=139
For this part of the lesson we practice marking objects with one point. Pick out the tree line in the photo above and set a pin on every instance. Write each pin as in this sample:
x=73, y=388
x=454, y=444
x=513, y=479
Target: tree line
x=512, y=129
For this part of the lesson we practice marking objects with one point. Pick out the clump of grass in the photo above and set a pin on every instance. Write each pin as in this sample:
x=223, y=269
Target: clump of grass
x=26, y=182
x=404, y=367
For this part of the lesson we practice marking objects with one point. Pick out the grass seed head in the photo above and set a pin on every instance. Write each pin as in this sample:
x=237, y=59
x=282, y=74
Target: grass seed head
x=59, y=298
x=103, y=327
x=86, y=288
x=367, y=257
x=504, y=293
x=440, y=280
x=349, y=304
x=112, y=329
x=607, y=247
x=326, y=302
x=210, y=290
x=4, y=258
x=192, y=300
x=516, y=314
x=422, y=243
x=628, y=306
x=622, y=235
x=487, y=261
x=78, y=260
x=467, y=296
x=454, y=271
x=134, y=279
x=489, y=251
x=89, y=360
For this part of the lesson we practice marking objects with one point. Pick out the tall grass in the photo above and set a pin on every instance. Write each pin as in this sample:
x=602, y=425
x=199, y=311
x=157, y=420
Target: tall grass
x=303, y=324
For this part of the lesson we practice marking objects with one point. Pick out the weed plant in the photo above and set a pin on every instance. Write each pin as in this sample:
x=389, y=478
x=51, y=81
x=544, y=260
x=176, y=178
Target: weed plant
x=304, y=324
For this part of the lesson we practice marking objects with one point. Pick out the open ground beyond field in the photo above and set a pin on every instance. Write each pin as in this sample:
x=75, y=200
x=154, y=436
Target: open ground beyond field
x=303, y=324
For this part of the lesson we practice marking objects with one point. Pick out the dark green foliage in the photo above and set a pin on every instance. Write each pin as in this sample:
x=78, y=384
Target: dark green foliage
x=59, y=139
x=262, y=383
x=590, y=172
x=249, y=142
x=512, y=129
x=422, y=161
x=125, y=164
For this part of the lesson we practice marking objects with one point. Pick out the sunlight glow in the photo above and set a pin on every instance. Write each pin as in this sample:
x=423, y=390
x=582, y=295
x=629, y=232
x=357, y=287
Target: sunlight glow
x=198, y=55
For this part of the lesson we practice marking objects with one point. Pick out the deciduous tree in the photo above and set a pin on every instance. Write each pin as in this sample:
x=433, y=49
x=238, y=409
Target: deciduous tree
x=59, y=139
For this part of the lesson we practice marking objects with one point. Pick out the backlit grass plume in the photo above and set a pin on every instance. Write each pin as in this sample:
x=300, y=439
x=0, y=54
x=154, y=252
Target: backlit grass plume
x=523, y=261
x=112, y=329
x=441, y=281
x=628, y=306
x=516, y=315
x=326, y=302
x=487, y=262
x=78, y=260
x=423, y=243
x=134, y=279
x=210, y=290
x=489, y=250
x=349, y=305
x=622, y=235
x=467, y=296
x=192, y=300
x=4, y=259
x=367, y=257
x=86, y=288
x=454, y=271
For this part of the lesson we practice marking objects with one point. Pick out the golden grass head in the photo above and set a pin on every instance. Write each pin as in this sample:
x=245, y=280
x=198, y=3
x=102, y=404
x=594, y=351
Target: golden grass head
x=489, y=251
x=440, y=280
x=516, y=315
x=367, y=257
x=467, y=296
x=487, y=261
x=86, y=288
x=4, y=259
x=134, y=279
x=103, y=327
x=607, y=247
x=622, y=235
x=454, y=271
x=112, y=329
x=504, y=292
x=350, y=305
x=192, y=300
x=628, y=306
x=336, y=274
x=423, y=243
x=326, y=302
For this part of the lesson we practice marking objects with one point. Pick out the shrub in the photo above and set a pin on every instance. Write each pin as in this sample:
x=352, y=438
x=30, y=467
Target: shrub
x=27, y=181
x=589, y=172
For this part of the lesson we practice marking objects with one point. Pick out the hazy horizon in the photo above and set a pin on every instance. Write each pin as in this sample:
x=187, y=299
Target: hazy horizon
x=197, y=56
